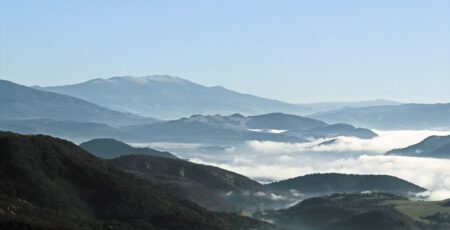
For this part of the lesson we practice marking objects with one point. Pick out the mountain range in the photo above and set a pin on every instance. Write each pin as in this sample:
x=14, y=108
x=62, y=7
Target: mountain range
x=72, y=130
x=197, y=128
x=24, y=103
x=29, y=110
x=168, y=97
x=433, y=146
x=330, y=106
x=229, y=191
x=100, y=100
x=50, y=183
x=405, y=116
x=237, y=128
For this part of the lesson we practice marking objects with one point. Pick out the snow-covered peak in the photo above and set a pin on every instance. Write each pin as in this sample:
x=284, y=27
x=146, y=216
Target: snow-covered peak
x=164, y=78
x=143, y=80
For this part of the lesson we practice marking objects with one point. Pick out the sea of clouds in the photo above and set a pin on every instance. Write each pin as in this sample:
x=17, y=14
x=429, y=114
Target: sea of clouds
x=269, y=161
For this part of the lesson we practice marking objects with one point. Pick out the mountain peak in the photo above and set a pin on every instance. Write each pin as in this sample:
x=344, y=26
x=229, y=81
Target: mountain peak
x=146, y=79
x=169, y=97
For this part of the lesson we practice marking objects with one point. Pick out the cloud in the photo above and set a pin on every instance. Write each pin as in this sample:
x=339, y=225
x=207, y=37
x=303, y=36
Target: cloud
x=432, y=174
x=386, y=140
x=268, y=161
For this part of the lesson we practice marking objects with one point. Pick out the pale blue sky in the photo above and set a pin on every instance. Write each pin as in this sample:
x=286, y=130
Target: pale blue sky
x=297, y=51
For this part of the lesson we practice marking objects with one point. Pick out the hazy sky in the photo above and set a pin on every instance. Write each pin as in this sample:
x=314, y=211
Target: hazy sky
x=297, y=51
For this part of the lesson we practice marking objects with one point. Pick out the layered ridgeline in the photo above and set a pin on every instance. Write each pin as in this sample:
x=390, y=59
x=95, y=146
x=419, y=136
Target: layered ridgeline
x=371, y=211
x=23, y=103
x=110, y=148
x=329, y=106
x=433, y=146
x=27, y=110
x=198, y=128
x=329, y=183
x=167, y=97
x=50, y=183
x=72, y=130
x=211, y=187
x=269, y=127
x=219, y=189
x=405, y=116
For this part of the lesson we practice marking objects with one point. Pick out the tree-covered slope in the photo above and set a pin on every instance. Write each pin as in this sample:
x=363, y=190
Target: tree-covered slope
x=211, y=187
x=346, y=211
x=328, y=183
x=433, y=146
x=52, y=183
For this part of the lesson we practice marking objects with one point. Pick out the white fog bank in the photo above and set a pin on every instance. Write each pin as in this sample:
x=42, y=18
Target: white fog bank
x=276, y=161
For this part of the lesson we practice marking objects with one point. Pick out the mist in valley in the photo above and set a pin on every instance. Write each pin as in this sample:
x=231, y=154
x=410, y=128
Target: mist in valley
x=267, y=161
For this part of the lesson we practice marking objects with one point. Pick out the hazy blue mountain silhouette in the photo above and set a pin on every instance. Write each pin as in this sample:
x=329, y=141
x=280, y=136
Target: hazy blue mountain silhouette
x=405, y=116
x=168, y=97
x=21, y=102
x=236, y=127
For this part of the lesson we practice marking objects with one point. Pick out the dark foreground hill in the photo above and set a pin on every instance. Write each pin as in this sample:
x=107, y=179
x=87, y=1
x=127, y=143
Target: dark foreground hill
x=53, y=184
x=110, y=148
x=329, y=183
x=433, y=146
x=208, y=186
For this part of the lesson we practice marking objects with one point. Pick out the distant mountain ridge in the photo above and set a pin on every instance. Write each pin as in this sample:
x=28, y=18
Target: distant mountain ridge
x=20, y=102
x=330, y=106
x=405, y=116
x=168, y=97
x=433, y=146
x=268, y=127
x=197, y=128
x=72, y=130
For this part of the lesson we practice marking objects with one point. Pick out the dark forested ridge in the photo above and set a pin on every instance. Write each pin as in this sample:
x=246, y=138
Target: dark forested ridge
x=433, y=146
x=329, y=183
x=210, y=176
x=371, y=211
x=110, y=148
x=53, y=184
x=211, y=187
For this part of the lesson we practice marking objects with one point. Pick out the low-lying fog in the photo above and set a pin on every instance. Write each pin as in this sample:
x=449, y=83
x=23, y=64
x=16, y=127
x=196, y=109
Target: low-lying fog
x=269, y=161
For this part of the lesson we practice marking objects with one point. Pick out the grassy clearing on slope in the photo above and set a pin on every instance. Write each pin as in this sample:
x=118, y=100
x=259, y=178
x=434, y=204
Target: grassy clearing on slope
x=420, y=209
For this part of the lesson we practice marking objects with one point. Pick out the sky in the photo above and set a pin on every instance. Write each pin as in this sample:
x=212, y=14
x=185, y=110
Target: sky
x=295, y=51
